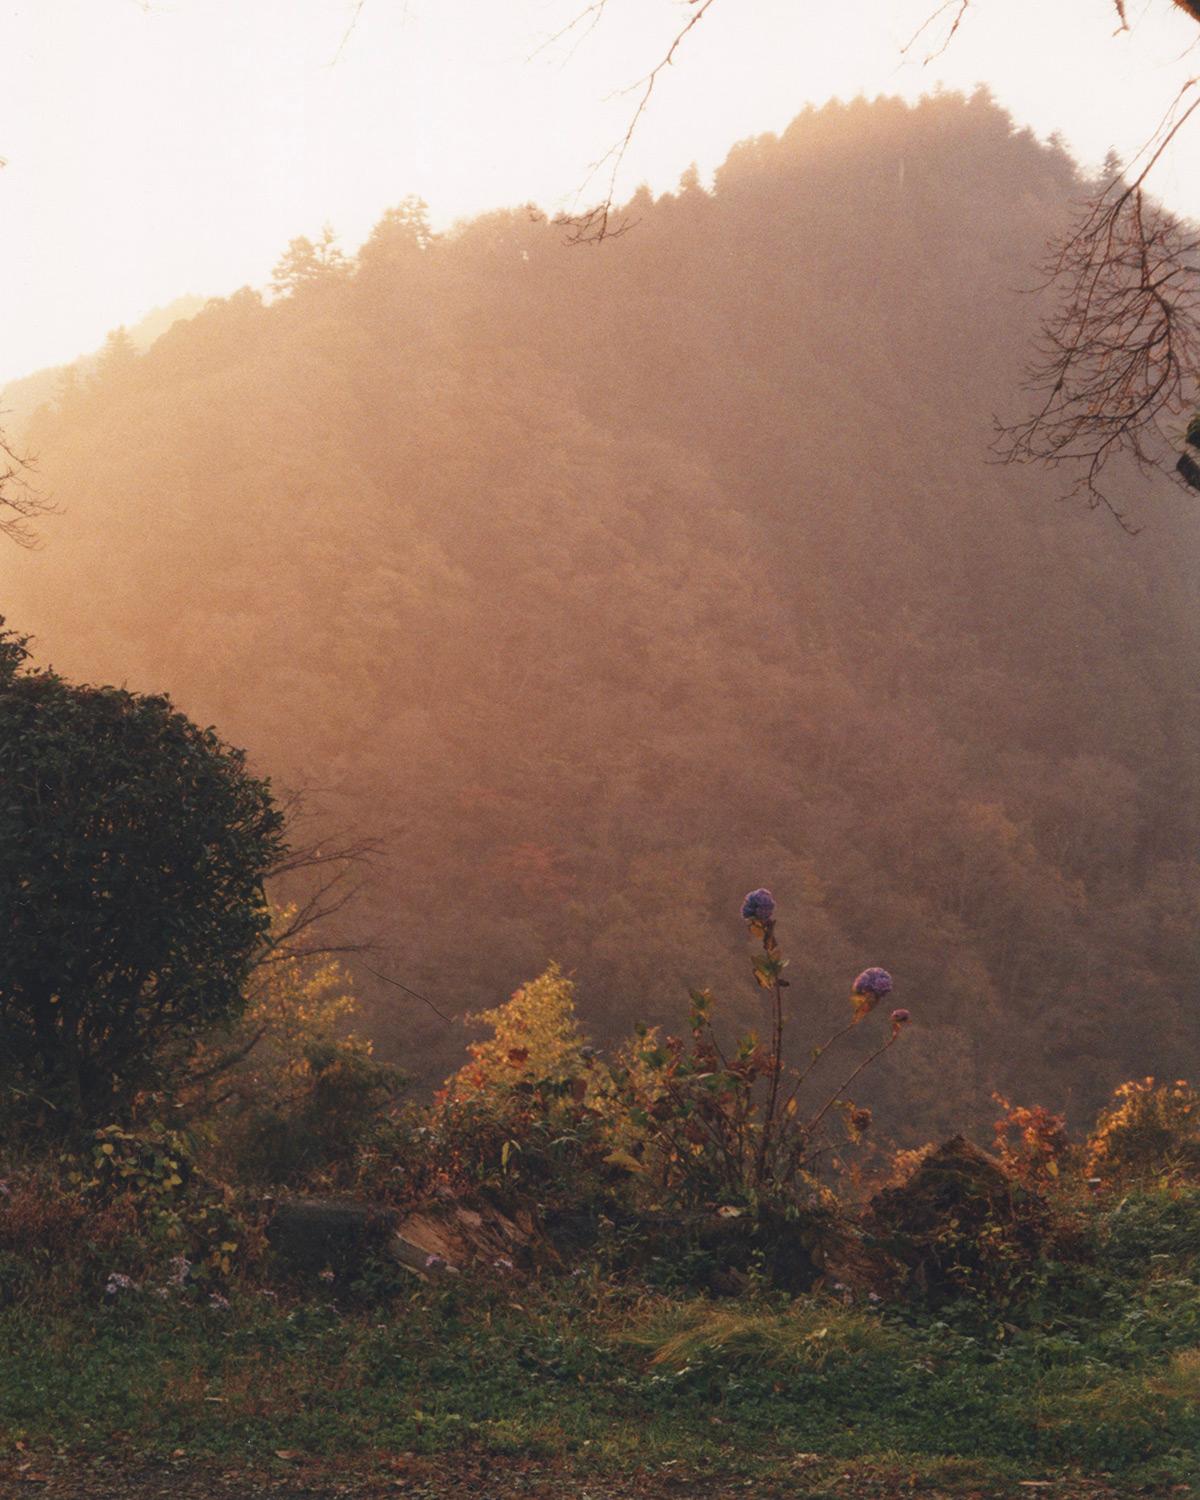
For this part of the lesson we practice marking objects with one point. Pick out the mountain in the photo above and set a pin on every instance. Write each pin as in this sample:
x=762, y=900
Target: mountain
x=21, y=399
x=606, y=583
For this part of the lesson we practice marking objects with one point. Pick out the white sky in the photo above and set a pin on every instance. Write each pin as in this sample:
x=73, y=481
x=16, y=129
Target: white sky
x=157, y=147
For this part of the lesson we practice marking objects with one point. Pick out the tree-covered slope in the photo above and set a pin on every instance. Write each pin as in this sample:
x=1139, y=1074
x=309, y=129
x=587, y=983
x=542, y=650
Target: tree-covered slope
x=609, y=582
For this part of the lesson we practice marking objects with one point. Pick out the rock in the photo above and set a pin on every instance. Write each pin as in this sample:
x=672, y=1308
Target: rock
x=311, y=1235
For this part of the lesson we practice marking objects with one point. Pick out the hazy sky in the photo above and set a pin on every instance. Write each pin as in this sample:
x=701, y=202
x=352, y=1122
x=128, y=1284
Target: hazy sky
x=176, y=146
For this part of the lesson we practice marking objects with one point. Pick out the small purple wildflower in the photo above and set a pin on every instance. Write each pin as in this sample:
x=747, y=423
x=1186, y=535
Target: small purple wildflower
x=900, y=1018
x=181, y=1269
x=118, y=1282
x=759, y=906
x=876, y=982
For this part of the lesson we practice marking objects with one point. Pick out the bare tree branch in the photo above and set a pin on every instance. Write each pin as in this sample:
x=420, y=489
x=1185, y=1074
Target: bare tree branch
x=349, y=32
x=316, y=880
x=585, y=23
x=959, y=7
x=595, y=224
x=20, y=504
x=395, y=983
x=1119, y=360
x=229, y=1059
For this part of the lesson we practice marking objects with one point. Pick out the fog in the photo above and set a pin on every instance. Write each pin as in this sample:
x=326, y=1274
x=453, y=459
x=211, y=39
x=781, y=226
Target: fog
x=601, y=585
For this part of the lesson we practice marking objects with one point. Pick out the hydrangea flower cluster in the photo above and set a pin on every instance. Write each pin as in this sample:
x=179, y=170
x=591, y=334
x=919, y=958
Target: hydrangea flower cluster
x=874, y=982
x=759, y=906
x=900, y=1018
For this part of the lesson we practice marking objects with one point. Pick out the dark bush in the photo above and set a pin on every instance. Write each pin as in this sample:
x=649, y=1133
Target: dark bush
x=959, y=1226
x=133, y=846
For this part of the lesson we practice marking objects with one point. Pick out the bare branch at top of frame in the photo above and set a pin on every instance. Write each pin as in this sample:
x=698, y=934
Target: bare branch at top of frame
x=1118, y=362
x=584, y=23
x=959, y=7
x=595, y=224
x=349, y=32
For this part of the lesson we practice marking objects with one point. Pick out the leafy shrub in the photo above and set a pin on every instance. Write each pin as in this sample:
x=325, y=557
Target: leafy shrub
x=1159, y=1227
x=289, y=1092
x=1032, y=1143
x=338, y=1092
x=127, y=1201
x=1150, y=1132
x=146, y=1178
x=960, y=1227
x=524, y=1115
x=133, y=846
x=724, y=1140
x=52, y=1240
x=535, y=1037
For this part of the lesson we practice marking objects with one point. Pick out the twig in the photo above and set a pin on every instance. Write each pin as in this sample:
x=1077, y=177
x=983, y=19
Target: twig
x=387, y=979
x=960, y=9
x=838, y=1092
x=594, y=225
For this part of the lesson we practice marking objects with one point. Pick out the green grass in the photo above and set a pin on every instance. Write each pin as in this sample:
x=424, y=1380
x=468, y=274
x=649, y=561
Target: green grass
x=730, y=1387
x=1104, y=1379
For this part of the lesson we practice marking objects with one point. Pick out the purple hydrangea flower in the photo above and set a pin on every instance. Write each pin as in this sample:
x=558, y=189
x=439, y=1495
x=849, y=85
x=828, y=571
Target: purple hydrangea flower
x=900, y=1018
x=874, y=982
x=759, y=906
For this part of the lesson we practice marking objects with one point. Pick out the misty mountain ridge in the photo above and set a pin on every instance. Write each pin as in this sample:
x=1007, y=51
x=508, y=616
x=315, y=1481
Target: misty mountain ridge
x=21, y=399
x=608, y=583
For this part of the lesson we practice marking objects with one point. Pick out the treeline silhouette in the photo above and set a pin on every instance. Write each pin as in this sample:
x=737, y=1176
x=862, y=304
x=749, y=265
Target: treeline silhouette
x=608, y=583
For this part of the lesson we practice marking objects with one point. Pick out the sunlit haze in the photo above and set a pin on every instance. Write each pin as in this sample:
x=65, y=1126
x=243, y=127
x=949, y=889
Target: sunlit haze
x=158, y=149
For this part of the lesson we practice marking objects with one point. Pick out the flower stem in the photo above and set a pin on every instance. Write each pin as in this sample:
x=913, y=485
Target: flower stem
x=836, y=1095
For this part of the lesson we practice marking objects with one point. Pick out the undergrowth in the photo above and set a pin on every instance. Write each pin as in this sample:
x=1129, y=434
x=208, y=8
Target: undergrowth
x=619, y=1375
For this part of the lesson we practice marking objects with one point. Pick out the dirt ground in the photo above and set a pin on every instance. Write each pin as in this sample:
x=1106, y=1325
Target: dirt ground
x=485, y=1478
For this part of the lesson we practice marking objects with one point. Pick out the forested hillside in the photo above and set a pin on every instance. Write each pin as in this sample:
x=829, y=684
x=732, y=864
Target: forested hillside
x=23, y=398
x=607, y=583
